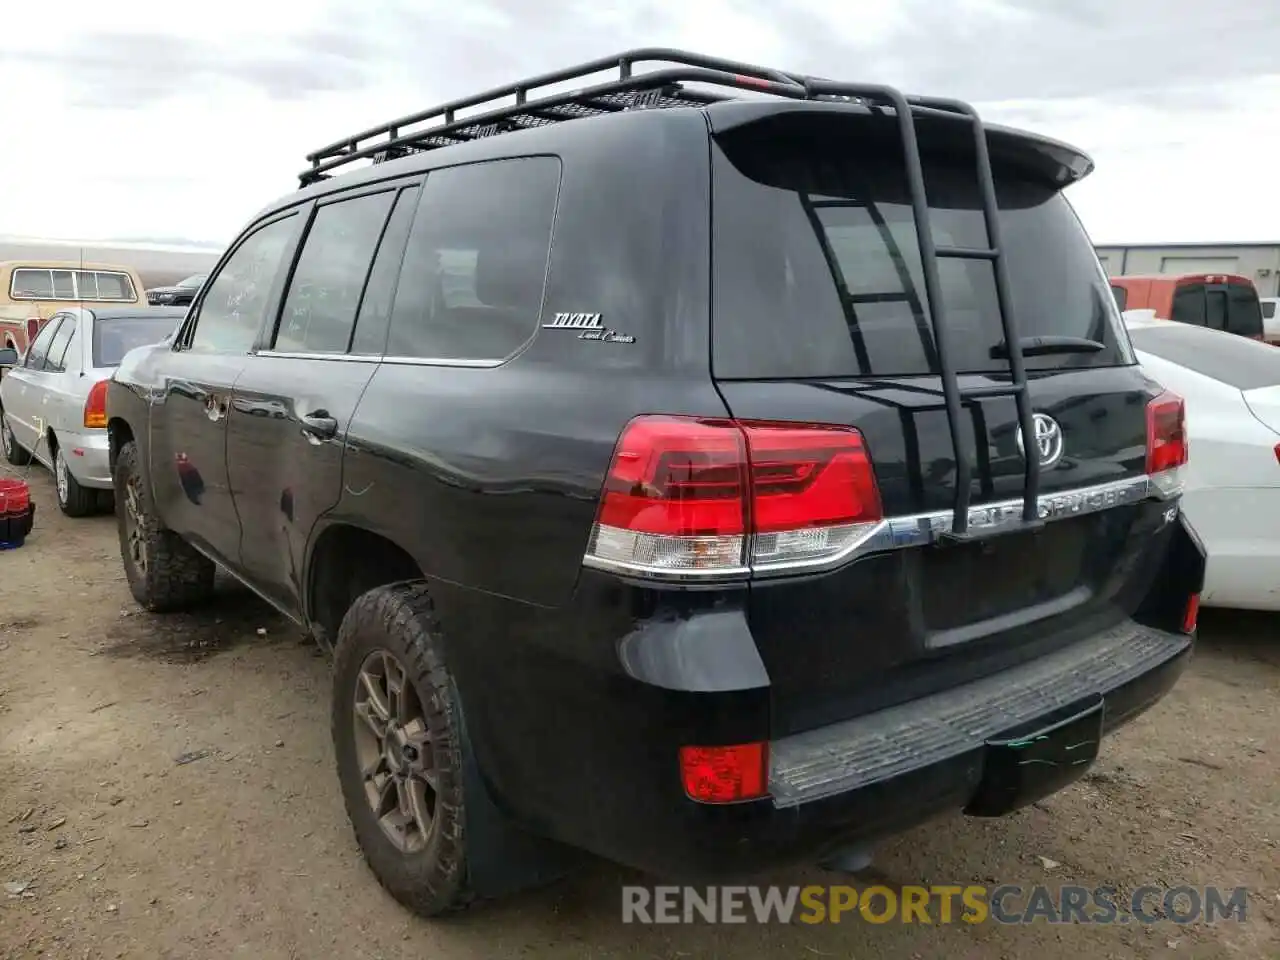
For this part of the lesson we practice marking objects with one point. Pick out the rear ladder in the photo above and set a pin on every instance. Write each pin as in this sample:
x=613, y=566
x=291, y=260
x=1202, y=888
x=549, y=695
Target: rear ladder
x=953, y=395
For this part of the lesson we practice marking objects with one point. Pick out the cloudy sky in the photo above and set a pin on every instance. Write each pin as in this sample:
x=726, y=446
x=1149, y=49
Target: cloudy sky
x=147, y=119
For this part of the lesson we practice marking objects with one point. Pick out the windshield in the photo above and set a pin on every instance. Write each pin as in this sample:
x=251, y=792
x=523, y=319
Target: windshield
x=115, y=337
x=816, y=267
x=192, y=282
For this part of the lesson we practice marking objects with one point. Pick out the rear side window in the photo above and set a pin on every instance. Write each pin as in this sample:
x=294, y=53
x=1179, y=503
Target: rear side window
x=816, y=268
x=1269, y=310
x=472, y=278
x=1121, y=295
x=320, y=309
x=115, y=337
x=58, y=346
x=1236, y=361
x=1232, y=307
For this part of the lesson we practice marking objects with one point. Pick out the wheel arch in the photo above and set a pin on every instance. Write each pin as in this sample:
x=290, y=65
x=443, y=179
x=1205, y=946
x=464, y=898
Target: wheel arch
x=343, y=561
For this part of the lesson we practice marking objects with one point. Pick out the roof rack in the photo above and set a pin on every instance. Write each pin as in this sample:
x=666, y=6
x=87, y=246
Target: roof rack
x=664, y=88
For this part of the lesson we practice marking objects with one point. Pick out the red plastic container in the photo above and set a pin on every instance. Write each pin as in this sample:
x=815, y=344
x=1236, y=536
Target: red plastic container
x=17, y=512
x=15, y=497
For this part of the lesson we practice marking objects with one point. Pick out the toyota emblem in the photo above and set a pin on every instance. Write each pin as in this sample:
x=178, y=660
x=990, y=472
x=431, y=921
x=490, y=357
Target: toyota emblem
x=1048, y=440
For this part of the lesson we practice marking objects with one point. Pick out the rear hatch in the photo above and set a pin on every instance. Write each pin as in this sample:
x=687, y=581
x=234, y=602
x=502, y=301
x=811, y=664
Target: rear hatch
x=820, y=315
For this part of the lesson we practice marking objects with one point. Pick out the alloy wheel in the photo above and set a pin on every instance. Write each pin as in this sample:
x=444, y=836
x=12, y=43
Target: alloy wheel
x=395, y=752
x=135, y=542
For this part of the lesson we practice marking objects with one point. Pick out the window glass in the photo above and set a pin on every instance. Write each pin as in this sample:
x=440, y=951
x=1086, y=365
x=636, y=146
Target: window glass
x=40, y=346
x=324, y=293
x=475, y=266
x=1122, y=297
x=97, y=285
x=816, y=264
x=1269, y=310
x=64, y=286
x=115, y=337
x=236, y=301
x=1189, y=306
x=1244, y=312
x=380, y=291
x=29, y=284
x=58, y=345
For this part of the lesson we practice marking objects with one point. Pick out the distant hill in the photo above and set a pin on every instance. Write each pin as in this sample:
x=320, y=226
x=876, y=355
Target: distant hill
x=157, y=263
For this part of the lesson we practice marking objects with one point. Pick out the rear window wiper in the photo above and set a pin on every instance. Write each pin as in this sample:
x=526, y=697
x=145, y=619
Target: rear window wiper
x=1049, y=346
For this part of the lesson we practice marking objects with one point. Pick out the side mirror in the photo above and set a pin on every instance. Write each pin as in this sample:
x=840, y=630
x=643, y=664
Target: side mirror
x=8, y=357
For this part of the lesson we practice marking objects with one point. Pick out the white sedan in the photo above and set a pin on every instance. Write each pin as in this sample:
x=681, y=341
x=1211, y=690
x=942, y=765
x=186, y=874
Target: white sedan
x=1231, y=386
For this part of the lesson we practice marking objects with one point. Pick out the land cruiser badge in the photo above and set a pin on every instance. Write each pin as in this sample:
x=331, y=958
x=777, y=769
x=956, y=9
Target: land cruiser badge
x=590, y=327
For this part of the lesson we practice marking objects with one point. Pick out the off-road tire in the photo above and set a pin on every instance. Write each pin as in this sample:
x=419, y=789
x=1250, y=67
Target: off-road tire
x=77, y=501
x=13, y=453
x=175, y=575
x=399, y=618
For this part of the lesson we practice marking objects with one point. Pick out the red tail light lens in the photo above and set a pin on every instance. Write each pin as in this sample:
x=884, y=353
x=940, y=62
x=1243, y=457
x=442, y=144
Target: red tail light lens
x=1167, y=446
x=725, y=774
x=33, y=329
x=695, y=496
x=95, y=406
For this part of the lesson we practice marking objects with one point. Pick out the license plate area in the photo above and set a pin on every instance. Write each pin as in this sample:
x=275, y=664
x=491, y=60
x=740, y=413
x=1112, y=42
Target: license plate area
x=1029, y=762
x=971, y=583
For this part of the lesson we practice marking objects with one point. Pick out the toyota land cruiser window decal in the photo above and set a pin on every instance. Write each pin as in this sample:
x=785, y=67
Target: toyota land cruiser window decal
x=591, y=326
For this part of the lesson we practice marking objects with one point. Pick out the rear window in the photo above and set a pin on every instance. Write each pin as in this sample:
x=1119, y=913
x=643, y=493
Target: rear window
x=816, y=268
x=1233, y=307
x=34, y=283
x=1240, y=363
x=115, y=337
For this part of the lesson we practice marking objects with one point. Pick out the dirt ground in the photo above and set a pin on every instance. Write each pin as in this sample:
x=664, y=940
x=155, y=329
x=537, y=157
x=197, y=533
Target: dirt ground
x=166, y=790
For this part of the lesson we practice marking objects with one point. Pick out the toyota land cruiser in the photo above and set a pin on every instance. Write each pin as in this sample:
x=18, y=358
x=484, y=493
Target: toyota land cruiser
x=710, y=467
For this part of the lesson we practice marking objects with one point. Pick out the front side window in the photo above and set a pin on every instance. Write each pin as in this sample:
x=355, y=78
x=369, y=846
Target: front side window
x=474, y=269
x=236, y=301
x=328, y=281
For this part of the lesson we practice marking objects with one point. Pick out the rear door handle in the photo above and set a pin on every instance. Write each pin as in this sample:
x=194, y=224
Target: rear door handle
x=320, y=425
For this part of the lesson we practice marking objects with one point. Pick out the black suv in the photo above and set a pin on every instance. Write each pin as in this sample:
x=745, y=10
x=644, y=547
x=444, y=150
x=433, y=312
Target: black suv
x=179, y=295
x=710, y=468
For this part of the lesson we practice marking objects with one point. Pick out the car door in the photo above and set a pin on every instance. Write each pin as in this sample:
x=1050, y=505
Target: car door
x=62, y=405
x=188, y=466
x=25, y=396
x=296, y=395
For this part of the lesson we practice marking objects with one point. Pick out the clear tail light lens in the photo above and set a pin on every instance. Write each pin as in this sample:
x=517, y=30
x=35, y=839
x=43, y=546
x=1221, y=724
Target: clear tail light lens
x=1167, y=446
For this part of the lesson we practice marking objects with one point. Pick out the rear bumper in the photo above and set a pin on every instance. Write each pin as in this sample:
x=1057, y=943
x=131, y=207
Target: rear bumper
x=88, y=458
x=869, y=778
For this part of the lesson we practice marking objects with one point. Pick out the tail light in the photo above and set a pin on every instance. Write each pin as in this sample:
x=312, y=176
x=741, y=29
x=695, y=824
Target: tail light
x=1167, y=447
x=699, y=497
x=33, y=329
x=725, y=774
x=95, y=406
x=1192, y=614
x=1277, y=452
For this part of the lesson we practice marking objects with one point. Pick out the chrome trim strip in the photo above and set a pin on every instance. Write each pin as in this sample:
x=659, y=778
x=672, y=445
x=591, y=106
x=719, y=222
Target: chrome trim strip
x=923, y=529
x=375, y=358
